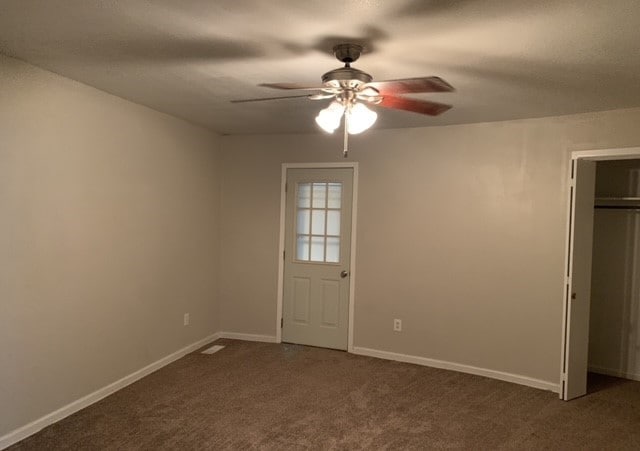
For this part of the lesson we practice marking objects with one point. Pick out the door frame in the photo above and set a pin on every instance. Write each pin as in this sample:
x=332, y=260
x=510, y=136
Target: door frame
x=352, y=263
x=619, y=153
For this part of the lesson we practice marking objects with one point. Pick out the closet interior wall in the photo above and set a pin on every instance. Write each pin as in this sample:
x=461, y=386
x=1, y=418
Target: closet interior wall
x=614, y=339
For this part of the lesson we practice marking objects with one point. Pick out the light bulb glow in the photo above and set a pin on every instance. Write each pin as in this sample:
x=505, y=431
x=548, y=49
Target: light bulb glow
x=360, y=118
x=329, y=118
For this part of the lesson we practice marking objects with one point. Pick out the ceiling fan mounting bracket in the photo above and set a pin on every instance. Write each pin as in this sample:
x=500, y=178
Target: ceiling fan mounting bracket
x=347, y=53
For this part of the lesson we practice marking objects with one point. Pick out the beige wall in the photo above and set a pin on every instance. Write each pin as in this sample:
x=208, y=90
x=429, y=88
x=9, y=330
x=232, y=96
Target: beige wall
x=461, y=234
x=614, y=332
x=108, y=234
x=114, y=219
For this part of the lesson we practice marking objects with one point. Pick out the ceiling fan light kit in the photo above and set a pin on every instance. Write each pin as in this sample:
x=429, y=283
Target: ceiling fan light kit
x=359, y=119
x=351, y=89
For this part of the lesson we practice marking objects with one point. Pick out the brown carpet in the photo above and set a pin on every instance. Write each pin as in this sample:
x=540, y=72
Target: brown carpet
x=270, y=396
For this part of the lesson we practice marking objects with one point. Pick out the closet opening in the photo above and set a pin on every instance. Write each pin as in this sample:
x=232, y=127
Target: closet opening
x=614, y=338
x=601, y=314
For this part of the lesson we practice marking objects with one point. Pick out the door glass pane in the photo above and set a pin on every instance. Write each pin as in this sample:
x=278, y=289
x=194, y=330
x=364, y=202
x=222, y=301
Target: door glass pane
x=302, y=248
x=317, y=249
x=317, y=222
x=303, y=221
x=333, y=222
x=333, y=249
x=319, y=195
x=304, y=195
x=334, y=195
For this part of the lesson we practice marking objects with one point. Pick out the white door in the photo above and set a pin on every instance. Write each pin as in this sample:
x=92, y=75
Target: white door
x=578, y=293
x=315, y=308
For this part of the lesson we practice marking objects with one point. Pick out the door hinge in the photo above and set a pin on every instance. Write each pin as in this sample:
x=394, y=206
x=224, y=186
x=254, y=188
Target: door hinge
x=284, y=254
x=573, y=169
x=572, y=179
x=286, y=187
x=281, y=323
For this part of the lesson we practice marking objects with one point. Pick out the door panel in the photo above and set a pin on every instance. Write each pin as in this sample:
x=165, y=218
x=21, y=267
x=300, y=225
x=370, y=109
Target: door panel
x=579, y=293
x=301, y=294
x=330, y=303
x=315, y=308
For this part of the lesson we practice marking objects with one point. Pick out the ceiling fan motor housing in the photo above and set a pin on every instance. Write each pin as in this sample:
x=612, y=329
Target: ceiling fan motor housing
x=346, y=78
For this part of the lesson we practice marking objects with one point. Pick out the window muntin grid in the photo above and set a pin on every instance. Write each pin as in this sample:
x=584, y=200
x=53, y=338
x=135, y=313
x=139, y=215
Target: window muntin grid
x=318, y=215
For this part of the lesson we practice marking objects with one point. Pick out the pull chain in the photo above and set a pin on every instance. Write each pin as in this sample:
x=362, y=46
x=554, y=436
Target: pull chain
x=345, y=151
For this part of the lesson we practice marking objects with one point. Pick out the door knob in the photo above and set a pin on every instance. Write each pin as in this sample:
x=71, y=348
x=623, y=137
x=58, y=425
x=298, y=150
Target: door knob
x=344, y=273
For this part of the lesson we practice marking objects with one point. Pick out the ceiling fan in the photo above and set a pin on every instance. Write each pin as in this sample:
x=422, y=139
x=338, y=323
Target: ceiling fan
x=352, y=89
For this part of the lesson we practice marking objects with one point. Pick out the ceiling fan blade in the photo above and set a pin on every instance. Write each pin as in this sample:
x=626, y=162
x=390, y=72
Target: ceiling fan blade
x=291, y=86
x=320, y=96
x=412, y=85
x=270, y=98
x=415, y=106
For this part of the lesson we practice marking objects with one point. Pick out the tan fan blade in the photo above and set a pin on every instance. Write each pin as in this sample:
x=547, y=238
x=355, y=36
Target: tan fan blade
x=320, y=96
x=415, y=106
x=291, y=86
x=271, y=98
x=412, y=85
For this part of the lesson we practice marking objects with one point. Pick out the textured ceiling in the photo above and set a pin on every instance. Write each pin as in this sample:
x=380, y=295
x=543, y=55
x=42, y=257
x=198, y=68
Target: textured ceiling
x=508, y=59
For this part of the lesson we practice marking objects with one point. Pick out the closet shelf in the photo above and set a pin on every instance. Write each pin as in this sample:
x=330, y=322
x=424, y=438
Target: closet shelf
x=617, y=203
x=629, y=199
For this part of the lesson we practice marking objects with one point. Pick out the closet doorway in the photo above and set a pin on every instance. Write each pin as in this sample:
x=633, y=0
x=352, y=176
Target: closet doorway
x=601, y=305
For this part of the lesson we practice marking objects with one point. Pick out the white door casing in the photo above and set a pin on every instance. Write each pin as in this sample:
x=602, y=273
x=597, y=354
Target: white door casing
x=317, y=257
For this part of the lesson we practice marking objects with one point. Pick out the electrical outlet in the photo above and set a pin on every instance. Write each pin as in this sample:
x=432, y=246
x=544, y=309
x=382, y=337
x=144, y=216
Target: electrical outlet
x=186, y=319
x=397, y=325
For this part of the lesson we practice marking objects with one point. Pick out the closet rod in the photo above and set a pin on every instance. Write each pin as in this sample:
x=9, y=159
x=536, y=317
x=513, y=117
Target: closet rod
x=617, y=207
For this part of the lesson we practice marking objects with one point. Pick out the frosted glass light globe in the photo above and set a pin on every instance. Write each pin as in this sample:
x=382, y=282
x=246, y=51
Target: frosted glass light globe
x=360, y=118
x=329, y=118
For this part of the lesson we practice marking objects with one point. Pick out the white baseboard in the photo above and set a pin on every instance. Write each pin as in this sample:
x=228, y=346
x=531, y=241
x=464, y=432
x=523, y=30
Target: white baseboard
x=79, y=404
x=615, y=373
x=248, y=337
x=508, y=377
